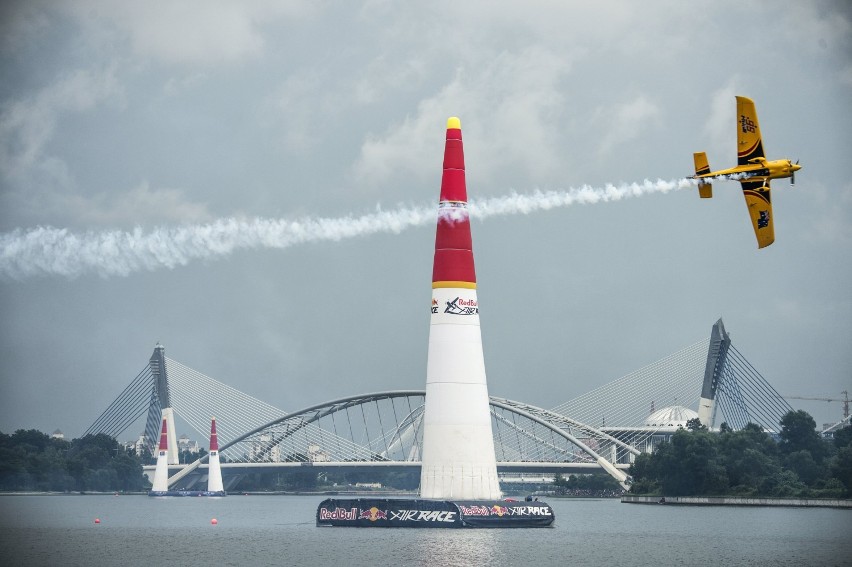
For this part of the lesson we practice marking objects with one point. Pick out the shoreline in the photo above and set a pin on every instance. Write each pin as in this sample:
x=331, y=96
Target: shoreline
x=734, y=501
x=72, y=493
x=383, y=494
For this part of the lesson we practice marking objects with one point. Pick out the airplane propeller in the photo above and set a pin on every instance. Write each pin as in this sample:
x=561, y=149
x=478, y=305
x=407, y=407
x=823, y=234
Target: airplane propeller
x=793, y=175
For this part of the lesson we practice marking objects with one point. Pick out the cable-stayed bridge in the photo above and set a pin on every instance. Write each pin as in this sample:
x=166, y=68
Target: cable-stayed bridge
x=601, y=431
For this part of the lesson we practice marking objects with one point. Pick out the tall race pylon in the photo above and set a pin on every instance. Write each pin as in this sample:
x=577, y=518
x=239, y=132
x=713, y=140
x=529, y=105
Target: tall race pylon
x=161, y=473
x=458, y=459
x=214, y=470
x=458, y=480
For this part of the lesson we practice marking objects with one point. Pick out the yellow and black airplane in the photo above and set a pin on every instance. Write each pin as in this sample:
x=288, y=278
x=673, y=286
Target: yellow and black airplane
x=753, y=171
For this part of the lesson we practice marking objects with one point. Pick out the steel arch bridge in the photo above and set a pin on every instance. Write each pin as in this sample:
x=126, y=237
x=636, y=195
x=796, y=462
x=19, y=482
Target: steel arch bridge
x=383, y=429
x=387, y=432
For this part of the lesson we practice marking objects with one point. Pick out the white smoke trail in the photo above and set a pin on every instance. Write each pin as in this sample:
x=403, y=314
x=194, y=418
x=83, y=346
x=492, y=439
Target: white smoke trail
x=48, y=251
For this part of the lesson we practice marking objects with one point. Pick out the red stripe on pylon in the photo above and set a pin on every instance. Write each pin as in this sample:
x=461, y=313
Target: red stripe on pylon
x=453, y=244
x=214, y=440
x=164, y=437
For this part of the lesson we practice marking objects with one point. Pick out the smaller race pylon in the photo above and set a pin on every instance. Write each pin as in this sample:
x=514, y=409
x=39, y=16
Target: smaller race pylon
x=161, y=473
x=214, y=470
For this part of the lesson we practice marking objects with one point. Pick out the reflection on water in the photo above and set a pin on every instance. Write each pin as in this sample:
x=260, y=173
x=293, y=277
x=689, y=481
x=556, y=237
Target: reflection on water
x=276, y=530
x=459, y=547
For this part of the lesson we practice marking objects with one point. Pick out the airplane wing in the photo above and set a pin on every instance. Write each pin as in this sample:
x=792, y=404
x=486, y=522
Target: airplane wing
x=760, y=210
x=749, y=140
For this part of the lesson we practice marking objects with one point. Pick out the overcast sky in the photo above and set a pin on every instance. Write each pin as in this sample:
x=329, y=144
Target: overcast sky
x=118, y=117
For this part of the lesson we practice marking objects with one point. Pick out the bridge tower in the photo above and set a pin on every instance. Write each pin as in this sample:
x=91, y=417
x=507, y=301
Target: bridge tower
x=160, y=400
x=717, y=354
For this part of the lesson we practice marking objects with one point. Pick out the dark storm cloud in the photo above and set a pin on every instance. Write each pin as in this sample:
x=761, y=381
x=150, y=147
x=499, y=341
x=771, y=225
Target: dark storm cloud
x=125, y=117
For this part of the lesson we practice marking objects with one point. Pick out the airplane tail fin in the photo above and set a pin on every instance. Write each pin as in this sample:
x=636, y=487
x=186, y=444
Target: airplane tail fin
x=702, y=166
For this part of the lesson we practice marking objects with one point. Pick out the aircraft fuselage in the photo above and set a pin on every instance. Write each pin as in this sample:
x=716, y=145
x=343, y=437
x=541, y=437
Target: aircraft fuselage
x=760, y=169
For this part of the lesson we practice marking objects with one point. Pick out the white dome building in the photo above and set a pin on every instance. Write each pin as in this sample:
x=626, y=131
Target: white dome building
x=672, y=417
x=659, y=427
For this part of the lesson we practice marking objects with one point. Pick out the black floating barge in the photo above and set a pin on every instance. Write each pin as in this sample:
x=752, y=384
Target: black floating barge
x=417, y=513
x=186, y=493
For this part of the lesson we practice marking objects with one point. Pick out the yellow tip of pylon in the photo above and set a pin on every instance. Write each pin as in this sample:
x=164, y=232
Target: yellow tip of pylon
x=453, y=123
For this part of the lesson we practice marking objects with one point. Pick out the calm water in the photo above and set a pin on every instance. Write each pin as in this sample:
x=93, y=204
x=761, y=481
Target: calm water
x=279, y=530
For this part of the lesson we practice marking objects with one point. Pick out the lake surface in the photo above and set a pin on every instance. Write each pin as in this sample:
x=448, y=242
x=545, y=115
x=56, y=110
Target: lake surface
x=280, y=530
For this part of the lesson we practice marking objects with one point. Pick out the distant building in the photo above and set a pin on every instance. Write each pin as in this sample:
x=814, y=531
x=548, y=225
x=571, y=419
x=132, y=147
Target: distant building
x=185, y=444
x=137, y=446
x=57, y=435
x=829, y=429
x=659, y=427
x=316, y=454
x=671, y=417
x=264, y=450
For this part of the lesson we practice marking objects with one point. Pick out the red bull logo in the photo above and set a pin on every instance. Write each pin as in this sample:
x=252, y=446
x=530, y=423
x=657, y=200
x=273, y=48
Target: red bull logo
x=475, y=510
x=338, y=514
x=499, y=510
x=460, y=306
x=373, y=514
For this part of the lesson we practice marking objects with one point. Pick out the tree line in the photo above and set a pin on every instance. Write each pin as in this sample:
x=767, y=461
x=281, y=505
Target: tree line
x=749, y=462
x=308, y=479
x=696, y=462
x=32, y=461
x=587, y=486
